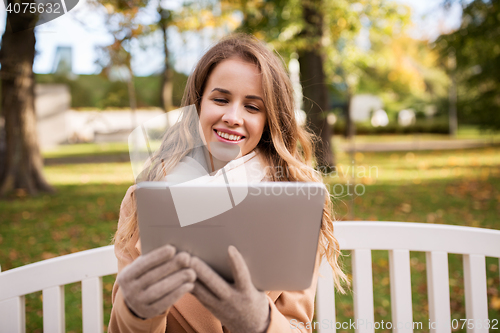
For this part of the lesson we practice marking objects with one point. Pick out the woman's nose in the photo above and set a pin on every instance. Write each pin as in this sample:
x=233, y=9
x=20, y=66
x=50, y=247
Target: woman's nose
x=232, y=116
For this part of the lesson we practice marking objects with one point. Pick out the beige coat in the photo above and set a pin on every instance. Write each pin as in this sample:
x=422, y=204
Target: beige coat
x=188, y=314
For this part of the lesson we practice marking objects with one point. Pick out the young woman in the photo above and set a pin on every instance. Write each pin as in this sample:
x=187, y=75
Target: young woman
x=244, y=99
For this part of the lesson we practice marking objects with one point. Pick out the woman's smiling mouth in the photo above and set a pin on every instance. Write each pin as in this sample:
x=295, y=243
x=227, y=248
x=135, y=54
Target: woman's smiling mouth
x=226, y=137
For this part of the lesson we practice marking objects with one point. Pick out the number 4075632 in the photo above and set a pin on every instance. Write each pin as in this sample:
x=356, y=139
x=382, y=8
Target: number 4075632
x=471, y=324
x=33, y=8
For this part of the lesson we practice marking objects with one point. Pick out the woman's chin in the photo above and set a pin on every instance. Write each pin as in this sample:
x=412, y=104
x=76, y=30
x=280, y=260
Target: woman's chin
x=225, y=151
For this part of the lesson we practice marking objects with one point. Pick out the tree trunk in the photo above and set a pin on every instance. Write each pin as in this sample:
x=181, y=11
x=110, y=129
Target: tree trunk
x=167, y=84
x=132, y=99
x=314, y=89
x=23, y=163
x=452, y=112
x=349, y=124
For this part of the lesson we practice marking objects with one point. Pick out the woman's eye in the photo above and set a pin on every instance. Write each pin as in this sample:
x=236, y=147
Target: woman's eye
x=220, y=100
x=253, y=108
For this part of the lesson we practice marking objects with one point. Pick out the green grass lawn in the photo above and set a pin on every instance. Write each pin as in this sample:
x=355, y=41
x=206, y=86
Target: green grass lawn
x=460, y=187
x=87, y=149
x=446, y=187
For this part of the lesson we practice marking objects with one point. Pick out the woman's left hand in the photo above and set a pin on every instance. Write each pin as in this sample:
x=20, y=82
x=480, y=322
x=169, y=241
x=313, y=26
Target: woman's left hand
x=240, y=306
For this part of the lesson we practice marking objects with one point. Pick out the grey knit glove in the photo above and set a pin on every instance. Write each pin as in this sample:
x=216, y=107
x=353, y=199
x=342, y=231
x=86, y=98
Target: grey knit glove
x=155, y=281
x=239, y=306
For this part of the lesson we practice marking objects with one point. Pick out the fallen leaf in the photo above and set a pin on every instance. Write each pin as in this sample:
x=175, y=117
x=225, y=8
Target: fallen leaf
x=495, y=302
x=410, y=157
x=48, y=255
x=405, y=207
x=13, y=254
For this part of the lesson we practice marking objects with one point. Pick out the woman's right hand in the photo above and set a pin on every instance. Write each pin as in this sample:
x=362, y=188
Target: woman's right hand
x=155, y=281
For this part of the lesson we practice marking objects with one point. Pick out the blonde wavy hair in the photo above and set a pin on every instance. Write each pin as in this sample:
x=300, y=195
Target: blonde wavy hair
x=284, y=144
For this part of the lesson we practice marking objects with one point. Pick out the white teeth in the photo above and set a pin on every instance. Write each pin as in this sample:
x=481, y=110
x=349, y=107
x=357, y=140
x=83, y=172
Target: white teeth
x=231, y=137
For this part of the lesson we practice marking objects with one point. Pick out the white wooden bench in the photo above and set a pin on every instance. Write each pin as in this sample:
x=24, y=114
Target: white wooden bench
x=50, y=276
x=399, y=238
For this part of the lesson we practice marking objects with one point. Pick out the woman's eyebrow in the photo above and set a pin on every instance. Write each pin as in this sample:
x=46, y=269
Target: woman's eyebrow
x=224, y=91
x=254, y=97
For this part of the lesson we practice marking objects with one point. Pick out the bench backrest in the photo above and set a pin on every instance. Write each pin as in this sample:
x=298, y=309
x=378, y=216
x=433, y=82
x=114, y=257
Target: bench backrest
x=399, y=238
x=50, y=276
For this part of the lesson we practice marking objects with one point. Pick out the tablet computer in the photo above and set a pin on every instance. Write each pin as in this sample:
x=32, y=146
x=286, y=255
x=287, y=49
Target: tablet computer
x=274, y=225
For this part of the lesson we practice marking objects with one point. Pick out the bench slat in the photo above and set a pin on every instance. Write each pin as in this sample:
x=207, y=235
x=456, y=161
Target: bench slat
x=13, y=315
x=476, y=299
x=399, y=268
x=438, y=291
x=325, y=300
x=92, y=306
x=53, y=310
x=363, y=290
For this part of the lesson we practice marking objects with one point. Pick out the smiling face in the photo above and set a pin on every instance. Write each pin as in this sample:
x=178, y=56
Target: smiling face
x=233, y=114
